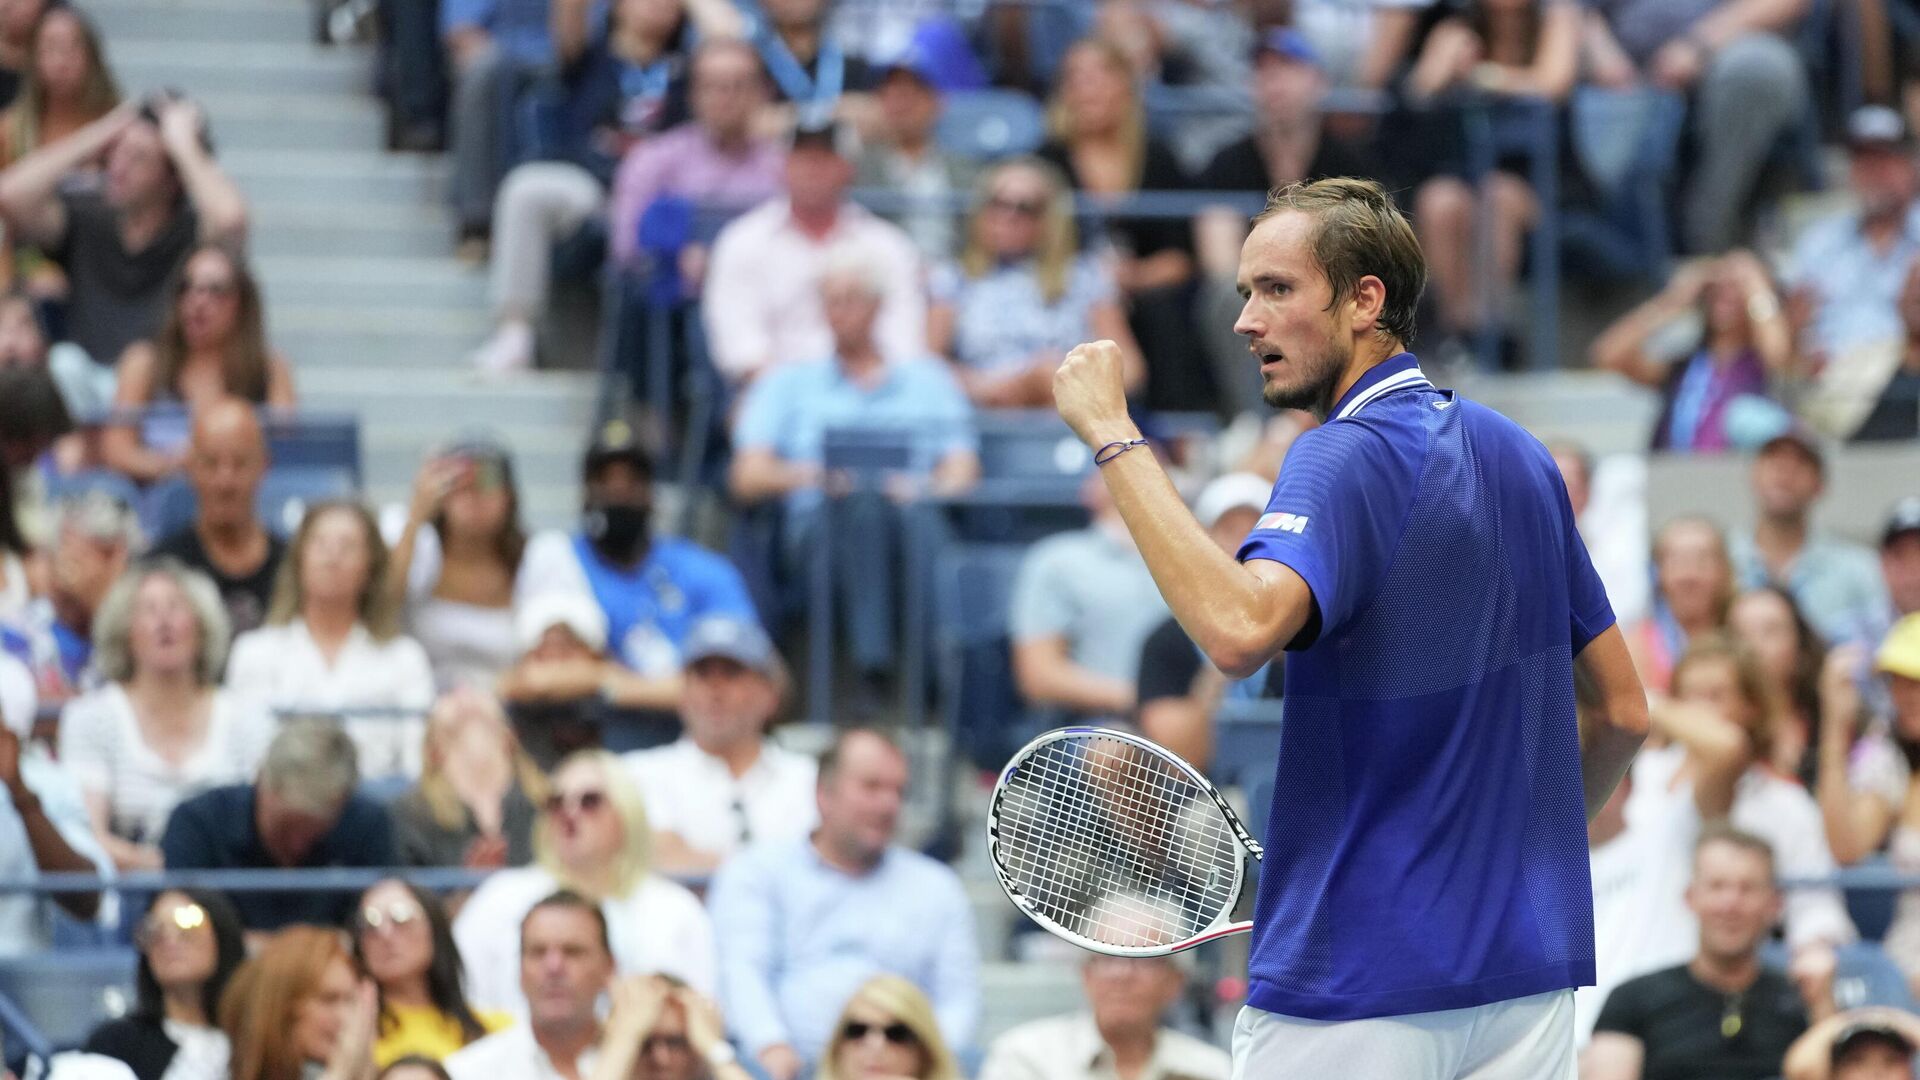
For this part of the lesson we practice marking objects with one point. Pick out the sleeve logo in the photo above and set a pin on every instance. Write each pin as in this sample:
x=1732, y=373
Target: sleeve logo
x=1282, y=522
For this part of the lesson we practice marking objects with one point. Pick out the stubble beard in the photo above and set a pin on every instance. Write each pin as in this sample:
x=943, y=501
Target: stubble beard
x=1314, y=392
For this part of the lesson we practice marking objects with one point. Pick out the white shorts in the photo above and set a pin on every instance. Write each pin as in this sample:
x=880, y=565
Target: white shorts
x=1528, y=1038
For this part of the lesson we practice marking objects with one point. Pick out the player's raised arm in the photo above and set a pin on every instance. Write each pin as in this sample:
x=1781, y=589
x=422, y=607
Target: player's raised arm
x=1240, y=615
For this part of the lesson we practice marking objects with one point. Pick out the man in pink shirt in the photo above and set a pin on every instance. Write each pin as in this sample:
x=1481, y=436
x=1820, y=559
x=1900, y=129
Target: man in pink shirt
x=762, y=301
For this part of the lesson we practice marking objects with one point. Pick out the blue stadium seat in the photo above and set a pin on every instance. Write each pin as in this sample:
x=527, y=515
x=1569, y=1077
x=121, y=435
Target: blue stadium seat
x=66, y=993
x=1866, y=975
x=318, y=442
x=983, y=125
x=972, y=592
x=1872, y=909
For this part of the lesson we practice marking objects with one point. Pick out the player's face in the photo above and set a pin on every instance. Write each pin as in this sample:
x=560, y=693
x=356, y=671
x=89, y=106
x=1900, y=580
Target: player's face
x=1874, y=1061
x=1292, y=326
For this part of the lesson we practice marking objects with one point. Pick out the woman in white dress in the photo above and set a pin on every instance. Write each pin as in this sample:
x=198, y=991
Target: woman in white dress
x=330, y=645
x=456, y=561
x=161, y=729
x=591, y=837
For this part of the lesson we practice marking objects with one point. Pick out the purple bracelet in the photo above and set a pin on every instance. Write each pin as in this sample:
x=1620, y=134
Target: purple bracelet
x=1115, y=449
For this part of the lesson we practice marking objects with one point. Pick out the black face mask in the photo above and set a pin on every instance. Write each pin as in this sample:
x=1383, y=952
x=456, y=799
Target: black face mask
x=617, y=530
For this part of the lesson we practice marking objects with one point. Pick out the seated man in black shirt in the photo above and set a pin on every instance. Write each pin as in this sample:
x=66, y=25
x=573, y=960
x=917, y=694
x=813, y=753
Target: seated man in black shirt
x=1721, y=1016
x=1178, y=689
x=226, y=460
x=162, y=195
x=301, y=813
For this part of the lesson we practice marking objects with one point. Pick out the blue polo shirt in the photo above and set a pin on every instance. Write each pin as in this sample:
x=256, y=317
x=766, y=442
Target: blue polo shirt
x=650, y=608
x=1426, y=846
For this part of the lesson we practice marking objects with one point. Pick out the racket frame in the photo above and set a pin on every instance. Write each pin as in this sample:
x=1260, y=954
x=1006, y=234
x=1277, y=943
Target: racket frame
x=1222, y=926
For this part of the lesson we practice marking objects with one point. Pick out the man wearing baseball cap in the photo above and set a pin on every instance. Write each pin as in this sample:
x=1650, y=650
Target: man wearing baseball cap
x=1835, y=582
x=1900, y=556
x=652, y=589
x=724, y=784
x=1875, y=1043
x=1851, y=264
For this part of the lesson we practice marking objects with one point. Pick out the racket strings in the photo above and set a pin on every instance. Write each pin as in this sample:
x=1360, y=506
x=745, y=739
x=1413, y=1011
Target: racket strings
x=1112, y=843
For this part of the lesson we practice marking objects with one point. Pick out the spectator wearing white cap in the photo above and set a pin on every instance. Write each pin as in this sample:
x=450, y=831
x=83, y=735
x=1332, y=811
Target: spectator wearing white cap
x=1179, y=689
x=553, y=689
x=724, y=784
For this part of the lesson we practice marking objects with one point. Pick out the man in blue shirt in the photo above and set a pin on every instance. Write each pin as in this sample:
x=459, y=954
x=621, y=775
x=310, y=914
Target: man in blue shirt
x=652, y=589
x=1418, y=561
x=779, y=451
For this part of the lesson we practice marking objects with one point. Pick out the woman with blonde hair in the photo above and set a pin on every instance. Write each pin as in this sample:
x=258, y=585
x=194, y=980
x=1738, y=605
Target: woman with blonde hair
x=591, y=837
x=161, y=729
x=887, y=1032
x=330, y=644
x=1100, y=142
x=300, y=1005
x=475, y=803
x=1022, y=293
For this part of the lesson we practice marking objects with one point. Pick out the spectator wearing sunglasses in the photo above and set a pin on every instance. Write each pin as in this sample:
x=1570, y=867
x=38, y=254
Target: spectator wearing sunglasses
x=591, y=837
x=190, y=944
x=888, y=1031
x=403, y=940
x=1022, y=293
x=659, y=1029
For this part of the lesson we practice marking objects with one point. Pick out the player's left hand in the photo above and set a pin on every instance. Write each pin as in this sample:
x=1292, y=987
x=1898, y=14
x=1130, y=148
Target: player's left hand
x=1090, y=391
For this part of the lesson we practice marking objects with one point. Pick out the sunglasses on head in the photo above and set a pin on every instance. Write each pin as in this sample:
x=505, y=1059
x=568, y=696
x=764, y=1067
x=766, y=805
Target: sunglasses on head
x=182, y=920
x=392, y=917
x=896, y=1033
x=1023, y=207
x=586, y=802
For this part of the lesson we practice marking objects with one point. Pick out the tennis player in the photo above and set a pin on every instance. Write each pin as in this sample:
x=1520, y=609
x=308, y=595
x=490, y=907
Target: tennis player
x=1424, y=910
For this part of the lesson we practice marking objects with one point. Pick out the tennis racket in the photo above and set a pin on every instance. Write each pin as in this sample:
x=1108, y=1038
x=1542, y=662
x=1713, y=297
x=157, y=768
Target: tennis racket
x=1115, y=844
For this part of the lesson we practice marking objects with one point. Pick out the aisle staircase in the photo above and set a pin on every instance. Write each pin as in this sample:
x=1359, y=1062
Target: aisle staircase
x=353, y=244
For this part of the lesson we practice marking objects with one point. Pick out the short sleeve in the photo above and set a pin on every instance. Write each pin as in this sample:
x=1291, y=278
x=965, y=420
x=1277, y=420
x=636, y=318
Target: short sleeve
x=761, y=414
x=1335, y=516
x=1625, y=1010
x=1039, y=607
x=1589, y=612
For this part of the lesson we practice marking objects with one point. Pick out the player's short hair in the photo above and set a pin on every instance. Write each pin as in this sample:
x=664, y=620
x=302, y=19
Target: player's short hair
x=1739, y=839
x=1360, y=233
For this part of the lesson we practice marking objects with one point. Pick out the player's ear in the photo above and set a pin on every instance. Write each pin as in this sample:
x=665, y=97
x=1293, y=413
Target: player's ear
x=1369, y=300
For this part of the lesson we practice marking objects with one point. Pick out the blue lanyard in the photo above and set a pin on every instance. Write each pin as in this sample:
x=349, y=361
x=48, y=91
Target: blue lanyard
x=814, y=96
x=1690, y=402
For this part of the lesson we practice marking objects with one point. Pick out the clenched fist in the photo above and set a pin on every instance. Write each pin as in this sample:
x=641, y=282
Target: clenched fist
x=1089, y=389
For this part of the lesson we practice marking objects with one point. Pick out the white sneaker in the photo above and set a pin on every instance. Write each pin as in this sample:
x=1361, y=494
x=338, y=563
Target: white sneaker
x=507, y=352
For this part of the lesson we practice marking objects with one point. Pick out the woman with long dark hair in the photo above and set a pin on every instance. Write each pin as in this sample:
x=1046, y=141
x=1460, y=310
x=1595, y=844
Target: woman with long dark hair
x=191, y=942
x=1769, y=622
x=457, y=561
x=404, y=942
x=212, y=345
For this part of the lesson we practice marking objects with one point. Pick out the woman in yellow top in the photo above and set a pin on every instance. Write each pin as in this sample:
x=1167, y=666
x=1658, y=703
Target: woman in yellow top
x=404, y=941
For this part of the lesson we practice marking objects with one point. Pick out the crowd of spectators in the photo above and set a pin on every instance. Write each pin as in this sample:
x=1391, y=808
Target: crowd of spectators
x=588, y=714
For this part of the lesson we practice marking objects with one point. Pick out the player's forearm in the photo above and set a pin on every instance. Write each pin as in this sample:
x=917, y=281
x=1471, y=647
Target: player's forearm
x=1605, y=758
x=1233, y=615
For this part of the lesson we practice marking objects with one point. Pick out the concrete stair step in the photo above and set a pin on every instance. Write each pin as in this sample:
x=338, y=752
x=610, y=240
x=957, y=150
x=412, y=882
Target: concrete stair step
x=347, y=281
x=323, y=229
x=241, y=22
x=215, y=67
x=338, y=177
x=302, y=121
x=411, y=399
